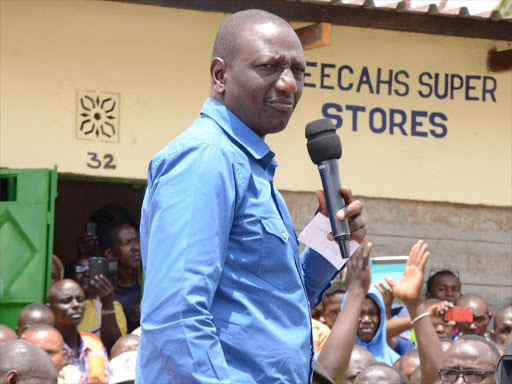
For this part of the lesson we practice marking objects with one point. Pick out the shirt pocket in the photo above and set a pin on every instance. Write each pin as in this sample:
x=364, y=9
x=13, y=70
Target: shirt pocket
x=277, y=265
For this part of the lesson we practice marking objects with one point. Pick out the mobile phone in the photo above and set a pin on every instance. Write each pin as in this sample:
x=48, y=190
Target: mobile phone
x=91, y=228
x=112, y=270
x=97, y=266
x=459, y=315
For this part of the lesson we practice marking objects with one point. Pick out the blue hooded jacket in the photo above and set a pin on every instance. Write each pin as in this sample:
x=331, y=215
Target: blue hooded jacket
x=378, y=346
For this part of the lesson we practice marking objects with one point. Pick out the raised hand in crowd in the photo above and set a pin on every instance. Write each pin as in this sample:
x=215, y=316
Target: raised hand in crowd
x=387, y=296
x=408, y=290
x=110, y=331
x=335, y=354
x=87, y=244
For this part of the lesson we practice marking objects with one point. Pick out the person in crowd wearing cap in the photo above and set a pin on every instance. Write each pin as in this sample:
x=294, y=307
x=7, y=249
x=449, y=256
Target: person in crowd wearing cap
x=50, y=340
x=122, y=368
x=6, y=334
x=470, y=359
x=85, y=350
x=24, y=362
x=219, y=249
x=32, y=314
x=103, y=316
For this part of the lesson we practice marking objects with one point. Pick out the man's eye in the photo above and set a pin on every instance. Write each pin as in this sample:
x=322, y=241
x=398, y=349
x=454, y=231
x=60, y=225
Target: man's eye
x=298, y=70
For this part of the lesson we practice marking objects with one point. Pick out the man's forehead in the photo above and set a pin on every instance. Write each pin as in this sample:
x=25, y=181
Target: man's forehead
x=447, y=279
x=468, y=353
x=47, y=335
x=278, y=38
x=69, y=289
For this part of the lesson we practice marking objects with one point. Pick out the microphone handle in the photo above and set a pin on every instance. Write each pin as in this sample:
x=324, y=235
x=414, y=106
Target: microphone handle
x=329, y=173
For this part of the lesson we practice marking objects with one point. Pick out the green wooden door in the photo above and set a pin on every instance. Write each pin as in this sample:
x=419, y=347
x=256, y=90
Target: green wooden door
x=27, y=206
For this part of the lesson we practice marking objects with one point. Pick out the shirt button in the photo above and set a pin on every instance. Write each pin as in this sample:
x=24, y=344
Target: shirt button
x=311, y=347
x=284, y=235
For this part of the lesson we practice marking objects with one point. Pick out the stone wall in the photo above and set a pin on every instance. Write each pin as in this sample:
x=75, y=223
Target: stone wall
x=475, y=240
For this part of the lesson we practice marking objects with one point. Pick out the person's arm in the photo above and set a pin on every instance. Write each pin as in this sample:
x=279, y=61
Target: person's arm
x=110, y=330
x=187, y=216
x=408, y=290
x=318, y=272
x=335, y=354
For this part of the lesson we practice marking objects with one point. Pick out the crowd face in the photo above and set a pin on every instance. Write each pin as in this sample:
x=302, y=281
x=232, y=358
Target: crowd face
x=264, y=82
x=470, y=356
x=331, y=307
x=481, y=317
x=442, y=328
x=68, y=304
x=446, y=287
x=503, y=326
x=81, y=275
x=51, y=342
x=369, y=320
x=126, y=343
x=126, y=247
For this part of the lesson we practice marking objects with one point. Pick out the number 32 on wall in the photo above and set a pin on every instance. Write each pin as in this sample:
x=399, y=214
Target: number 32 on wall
x=108, y=161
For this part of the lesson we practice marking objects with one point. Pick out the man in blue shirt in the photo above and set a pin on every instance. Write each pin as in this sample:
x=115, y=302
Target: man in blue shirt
x=227, y=295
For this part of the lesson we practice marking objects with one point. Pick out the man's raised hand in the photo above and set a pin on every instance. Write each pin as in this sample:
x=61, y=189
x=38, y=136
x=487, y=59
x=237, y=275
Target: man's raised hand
x=409, y=286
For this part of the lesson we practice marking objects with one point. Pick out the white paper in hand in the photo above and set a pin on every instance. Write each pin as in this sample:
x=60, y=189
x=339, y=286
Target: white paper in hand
x=315, y=236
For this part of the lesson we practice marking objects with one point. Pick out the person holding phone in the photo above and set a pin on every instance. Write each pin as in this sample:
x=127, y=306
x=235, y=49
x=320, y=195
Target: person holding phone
x=103, y=316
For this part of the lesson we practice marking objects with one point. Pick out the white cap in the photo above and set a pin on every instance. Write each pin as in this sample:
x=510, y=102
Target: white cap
x=122, y=368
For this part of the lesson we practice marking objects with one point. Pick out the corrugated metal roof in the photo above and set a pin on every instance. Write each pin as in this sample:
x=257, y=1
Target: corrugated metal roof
x=487, y=9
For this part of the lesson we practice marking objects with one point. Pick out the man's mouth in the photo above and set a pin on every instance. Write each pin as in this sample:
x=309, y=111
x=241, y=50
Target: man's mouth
x=282, y=105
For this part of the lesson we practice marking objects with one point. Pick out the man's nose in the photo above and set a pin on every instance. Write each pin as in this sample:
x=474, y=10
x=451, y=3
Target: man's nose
x=365, y=319
x=75, y=303
x=472, y=326
x=460, y=379
x=137, y=245
x=287, y=82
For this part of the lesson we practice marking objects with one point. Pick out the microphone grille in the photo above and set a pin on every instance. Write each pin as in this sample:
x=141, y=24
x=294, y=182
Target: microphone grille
x=323, y=141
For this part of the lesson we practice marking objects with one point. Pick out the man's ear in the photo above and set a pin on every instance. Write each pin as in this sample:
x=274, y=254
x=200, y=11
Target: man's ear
x=493, y=335
x=108, y=253
x=12, y=377
x=217, y=73
x=428, y=295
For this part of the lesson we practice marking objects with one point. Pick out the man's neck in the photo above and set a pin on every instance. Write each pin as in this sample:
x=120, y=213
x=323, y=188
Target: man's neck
x=70, y=335
x=126, y=277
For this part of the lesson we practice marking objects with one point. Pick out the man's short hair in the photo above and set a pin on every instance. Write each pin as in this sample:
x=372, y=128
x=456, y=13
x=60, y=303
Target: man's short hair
x=496, y=354
x=502, y=310
x=336, y=287
x=40, y=327
x=412, y=353
x=226, y=41
x=403, y=378
x=431, y=279
x=106, y=231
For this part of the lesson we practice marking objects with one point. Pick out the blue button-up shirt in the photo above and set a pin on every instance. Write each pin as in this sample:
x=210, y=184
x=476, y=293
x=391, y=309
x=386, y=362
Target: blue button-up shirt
x=227, y=295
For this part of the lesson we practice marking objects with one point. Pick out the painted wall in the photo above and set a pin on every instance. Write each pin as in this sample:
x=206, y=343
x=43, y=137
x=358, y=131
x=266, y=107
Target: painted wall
x=153, y=63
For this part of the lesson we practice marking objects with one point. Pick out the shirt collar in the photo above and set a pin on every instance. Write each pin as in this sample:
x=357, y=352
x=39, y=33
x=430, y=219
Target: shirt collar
x=239, y=131
x=82, y=345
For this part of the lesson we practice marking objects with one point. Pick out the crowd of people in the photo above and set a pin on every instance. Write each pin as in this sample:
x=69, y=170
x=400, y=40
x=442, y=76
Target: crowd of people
x=362, y=333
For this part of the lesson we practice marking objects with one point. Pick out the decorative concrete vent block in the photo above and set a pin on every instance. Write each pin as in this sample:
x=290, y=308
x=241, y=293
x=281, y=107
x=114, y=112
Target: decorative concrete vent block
x=97, y=116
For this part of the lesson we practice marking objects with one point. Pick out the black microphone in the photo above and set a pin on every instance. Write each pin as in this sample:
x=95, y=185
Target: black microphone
x=324, y=147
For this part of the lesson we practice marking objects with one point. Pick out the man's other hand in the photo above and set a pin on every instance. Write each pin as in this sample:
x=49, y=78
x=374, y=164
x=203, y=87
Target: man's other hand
x=353, y=211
